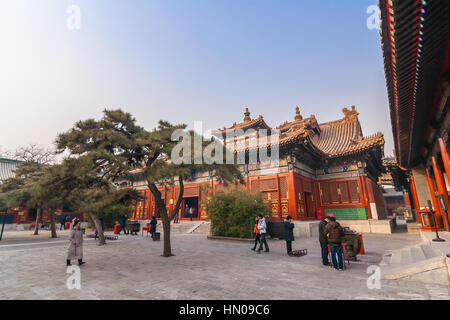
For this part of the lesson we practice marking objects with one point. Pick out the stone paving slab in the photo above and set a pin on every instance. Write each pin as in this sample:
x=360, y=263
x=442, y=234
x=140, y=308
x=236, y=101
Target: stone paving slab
x=133, y=268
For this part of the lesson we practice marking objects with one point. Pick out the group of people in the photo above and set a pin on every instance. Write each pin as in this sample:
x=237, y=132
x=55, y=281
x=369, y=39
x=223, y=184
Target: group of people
x=330, y=236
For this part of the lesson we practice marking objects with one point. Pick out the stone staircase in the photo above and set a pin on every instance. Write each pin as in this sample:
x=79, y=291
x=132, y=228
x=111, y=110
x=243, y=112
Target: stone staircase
x=202, y=228
x=189, y=227
x=185, y=226
x=420, y=263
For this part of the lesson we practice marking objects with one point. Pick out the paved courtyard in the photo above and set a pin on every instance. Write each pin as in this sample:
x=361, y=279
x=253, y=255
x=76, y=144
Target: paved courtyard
x=133, y=268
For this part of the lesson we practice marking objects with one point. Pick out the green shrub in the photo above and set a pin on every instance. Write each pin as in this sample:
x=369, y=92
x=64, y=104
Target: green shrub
x=232, y=212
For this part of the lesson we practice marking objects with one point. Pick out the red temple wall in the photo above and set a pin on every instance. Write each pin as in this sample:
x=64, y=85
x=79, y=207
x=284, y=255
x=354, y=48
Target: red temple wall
x=285, y=193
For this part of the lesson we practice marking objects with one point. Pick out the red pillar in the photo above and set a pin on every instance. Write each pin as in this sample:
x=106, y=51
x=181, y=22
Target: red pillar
x=445, y=157
x=442, y=189
x=365, y=195
x=292, y=196
x=434, y=200
x=415, y=198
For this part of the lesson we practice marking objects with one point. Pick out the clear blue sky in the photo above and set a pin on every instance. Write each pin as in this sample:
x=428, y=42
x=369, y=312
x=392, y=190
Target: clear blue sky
x=186, y=60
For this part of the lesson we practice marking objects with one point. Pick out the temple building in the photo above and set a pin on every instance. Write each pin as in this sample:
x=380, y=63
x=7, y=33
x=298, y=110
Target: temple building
x=416, y=48
x=323, y=168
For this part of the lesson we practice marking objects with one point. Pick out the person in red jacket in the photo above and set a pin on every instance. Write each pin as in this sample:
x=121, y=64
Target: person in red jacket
x=257, y=234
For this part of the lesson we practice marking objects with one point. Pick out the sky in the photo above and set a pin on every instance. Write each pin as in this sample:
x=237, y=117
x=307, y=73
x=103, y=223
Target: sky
x=184, y=61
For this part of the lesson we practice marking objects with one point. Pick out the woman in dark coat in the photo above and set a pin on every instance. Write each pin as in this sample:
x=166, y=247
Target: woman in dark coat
x=288, y=234
x=153, y=224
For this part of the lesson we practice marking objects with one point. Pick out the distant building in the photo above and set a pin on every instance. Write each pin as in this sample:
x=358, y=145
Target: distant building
x=7, y=168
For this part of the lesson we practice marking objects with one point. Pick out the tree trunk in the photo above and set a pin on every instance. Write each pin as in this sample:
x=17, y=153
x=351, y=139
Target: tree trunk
x=36, y=224
x=167, y=246
x=167, y=252
x=98, y=226
x=52, y=223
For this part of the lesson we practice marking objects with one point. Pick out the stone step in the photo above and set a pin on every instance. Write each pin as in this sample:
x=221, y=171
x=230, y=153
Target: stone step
x=430, y=252
x=414, y=263
x=417, y=254
x=386, y=260
x=406, y=257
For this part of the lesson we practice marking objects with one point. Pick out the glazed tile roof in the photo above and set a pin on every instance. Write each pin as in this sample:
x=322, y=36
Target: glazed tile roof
x=7, y=167
x=415, y=39
x=344, y=136
x=330, y=139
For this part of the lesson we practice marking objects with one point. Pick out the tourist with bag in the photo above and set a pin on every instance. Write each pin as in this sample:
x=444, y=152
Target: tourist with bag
x=256, y=232
x=262, y=227
x=335, y=233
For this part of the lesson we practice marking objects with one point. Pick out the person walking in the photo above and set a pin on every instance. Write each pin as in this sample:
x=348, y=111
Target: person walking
x=153, y=224
x=256, y=232
x=191, y=212
x=123, y=224
x=334, y=233
x=175, y=219
x=323, y=240
x=75, y=250
x=288, y=234
x=262, y=227
x=62, y=222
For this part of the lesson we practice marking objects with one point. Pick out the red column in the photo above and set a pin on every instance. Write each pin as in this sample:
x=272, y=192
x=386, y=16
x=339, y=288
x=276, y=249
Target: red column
x=280, y=214
x=445, y=157
x=365, y=195
x=292, y=196
x=442, y=189
x=415, y=198
x=434, y=200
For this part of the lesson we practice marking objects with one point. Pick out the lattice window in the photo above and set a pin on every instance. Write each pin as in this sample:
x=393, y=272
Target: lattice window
x=191, y=192
x=298, y=189
x=254, y=186
x=344, y=192
x=270, y=196
x=283, y=188
x=324, y=192
x=307, y=186
x=268, y=184
x=354, y=191
x=334, y=192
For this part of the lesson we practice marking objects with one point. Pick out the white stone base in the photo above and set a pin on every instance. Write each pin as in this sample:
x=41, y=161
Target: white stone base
x=306, y=229
x=369, y=226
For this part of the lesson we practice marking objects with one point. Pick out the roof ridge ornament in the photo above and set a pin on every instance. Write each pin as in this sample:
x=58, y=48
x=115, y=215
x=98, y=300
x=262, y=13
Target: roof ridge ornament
x=247, y=115
x=298, y=116
x=350, y=114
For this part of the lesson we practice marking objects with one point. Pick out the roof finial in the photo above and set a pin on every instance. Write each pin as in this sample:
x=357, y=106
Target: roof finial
x=247, y=115
x=350, y=114
x=298, y=116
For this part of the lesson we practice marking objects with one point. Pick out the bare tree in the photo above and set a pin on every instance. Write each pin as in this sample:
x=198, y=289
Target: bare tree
x=35, y=153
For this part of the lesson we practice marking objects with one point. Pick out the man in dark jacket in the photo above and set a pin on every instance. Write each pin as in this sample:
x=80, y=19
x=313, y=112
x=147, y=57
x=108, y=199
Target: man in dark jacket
x=324, y=241
x=288, y=234
x=334, y=233
x=153, y=224
x=123, y=224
